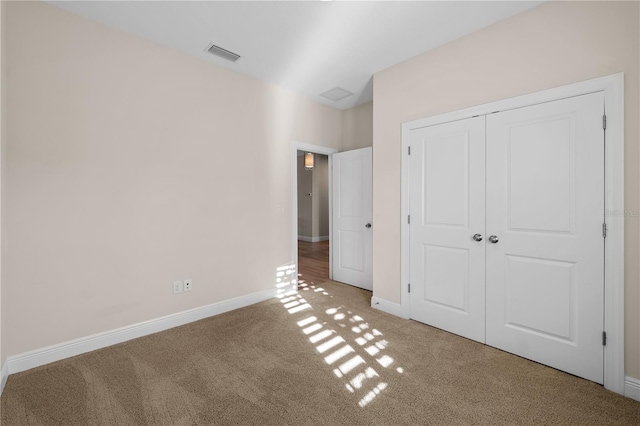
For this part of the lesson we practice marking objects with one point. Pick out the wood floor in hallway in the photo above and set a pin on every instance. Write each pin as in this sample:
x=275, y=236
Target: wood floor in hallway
x=313, y=262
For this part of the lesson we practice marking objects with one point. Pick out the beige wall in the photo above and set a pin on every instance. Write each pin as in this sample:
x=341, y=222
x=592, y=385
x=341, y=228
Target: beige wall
x=357, y=127
x=550, y=45
x=130, y=166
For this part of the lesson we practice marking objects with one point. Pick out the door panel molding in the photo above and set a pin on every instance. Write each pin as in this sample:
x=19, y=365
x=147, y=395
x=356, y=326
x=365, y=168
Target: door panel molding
x=613, y=89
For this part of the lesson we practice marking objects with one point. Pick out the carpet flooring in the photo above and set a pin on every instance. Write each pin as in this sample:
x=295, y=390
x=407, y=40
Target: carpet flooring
x=322, y=356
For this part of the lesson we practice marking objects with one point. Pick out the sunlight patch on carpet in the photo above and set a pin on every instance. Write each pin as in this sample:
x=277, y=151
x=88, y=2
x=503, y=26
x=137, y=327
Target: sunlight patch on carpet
x=331, y=331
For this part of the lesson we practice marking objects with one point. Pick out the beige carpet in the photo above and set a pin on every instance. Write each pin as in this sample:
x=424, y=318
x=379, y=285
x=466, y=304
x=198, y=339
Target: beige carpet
x=327, y=359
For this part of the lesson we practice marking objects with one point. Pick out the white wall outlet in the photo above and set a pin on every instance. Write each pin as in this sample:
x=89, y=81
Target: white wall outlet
x=188, y=285
x=177, y=287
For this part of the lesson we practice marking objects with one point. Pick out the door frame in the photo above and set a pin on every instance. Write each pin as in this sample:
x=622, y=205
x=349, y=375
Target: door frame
x=315, y=149
x=613, y=88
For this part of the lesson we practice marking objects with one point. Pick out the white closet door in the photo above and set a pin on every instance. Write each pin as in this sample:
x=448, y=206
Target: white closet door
x=545, y=206
x=352, y=239
x=447, y=210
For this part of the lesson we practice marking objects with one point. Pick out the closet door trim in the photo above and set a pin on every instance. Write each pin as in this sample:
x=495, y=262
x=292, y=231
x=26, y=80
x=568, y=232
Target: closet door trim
x=613, y=89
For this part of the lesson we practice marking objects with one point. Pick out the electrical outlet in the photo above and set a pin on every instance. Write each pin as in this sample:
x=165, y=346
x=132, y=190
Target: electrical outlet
x=177, y=287
x=188, y=285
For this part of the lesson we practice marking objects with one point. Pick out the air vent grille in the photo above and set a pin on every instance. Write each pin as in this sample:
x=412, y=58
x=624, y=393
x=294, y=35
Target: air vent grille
x=336, y=94
x=223, y=53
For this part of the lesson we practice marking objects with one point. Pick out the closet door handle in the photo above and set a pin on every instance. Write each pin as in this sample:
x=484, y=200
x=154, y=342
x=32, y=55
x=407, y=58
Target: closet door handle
x=477, y=237
x=493, y=239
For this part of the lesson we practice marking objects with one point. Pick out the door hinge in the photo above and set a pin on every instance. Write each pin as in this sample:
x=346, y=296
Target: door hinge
x=409, y=288
x=409, y=150
x=604, y=230
x=604, y=122
x=604, y=338
x=409, y=219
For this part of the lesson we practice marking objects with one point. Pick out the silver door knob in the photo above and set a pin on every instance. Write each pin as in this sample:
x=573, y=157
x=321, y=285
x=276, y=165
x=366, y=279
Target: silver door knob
x=493, y=239
x=477, y=237
x=368, y=225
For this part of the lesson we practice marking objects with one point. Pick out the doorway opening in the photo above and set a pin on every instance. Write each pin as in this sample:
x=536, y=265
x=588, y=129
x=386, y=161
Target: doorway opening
x=313, y=217
x=312, y=222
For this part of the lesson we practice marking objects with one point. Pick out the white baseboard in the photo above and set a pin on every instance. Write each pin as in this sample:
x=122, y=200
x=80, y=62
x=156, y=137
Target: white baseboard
x=389, y=307
x=4, y=374
x=313, y=239
x=632, y=388
x=38, y=357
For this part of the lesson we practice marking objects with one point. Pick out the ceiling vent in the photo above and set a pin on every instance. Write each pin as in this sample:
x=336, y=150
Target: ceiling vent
x=223, y=53
x=336, y=94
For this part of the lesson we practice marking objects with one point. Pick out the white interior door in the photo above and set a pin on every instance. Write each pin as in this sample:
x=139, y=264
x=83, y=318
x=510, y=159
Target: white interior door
x=545, y=206
x=447, y=208
x=352, y=213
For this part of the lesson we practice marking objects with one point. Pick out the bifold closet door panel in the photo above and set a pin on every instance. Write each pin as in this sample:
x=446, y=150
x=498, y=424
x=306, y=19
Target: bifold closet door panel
x=545, y=210
x=447, y=209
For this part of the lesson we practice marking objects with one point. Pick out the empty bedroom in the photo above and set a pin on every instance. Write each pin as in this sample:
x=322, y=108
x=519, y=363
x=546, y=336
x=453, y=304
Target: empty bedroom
x=319, y=212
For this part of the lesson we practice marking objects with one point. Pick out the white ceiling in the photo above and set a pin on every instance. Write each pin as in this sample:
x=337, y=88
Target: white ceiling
x=307, y=47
